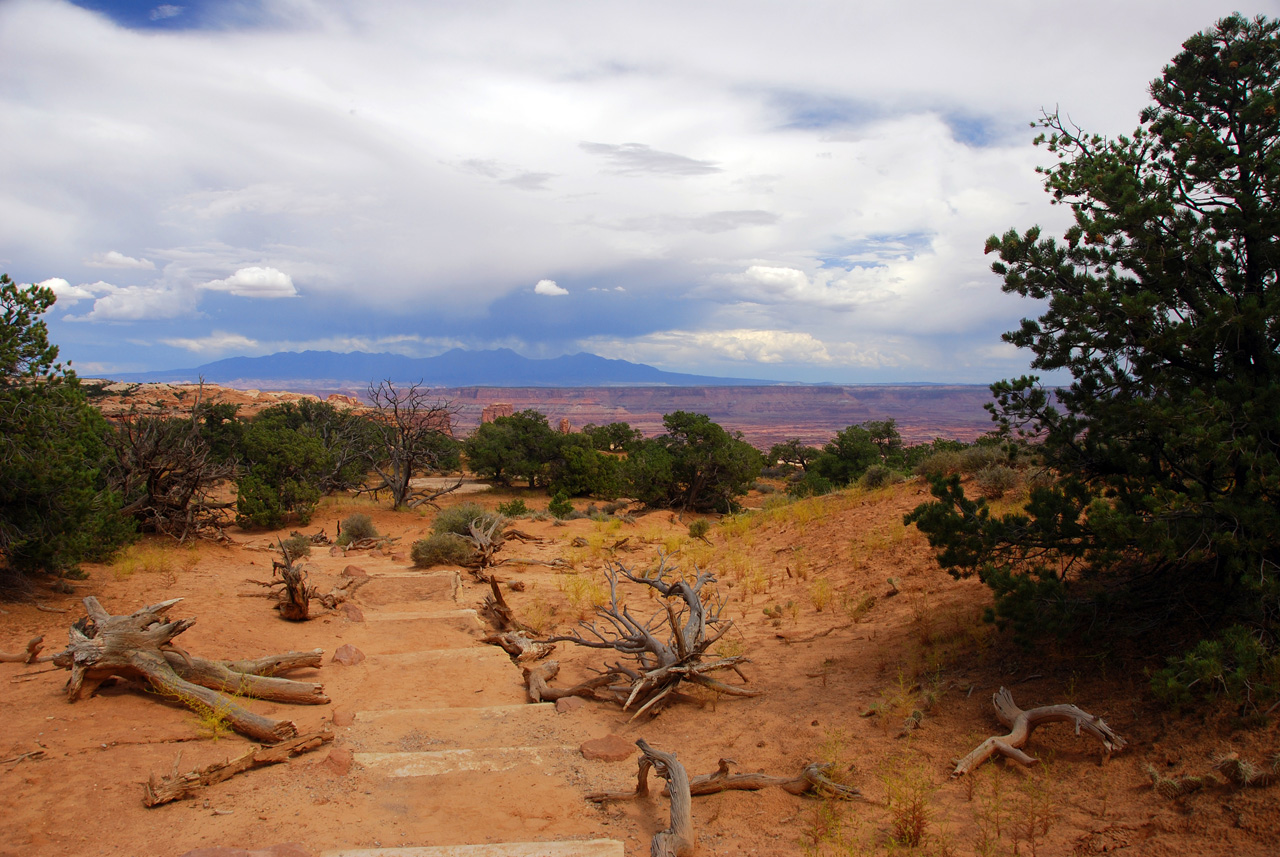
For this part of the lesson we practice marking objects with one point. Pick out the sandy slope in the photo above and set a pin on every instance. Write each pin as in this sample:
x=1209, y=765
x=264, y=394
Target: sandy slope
x=821, y=669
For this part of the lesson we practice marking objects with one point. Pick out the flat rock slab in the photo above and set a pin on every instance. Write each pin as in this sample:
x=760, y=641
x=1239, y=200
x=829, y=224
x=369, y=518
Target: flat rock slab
x=571, y=848
x=434, y=763
x=610, y=748
x=395, y=633
x=396, y=587
x=412, y=729
x=474, y=677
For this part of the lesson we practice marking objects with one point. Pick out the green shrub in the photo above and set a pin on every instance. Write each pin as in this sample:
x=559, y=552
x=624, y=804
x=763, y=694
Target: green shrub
x=1237, y=665
x=457, y=519
x=514, y=509
x=878, y=476
x=297, y=546
x=996, y=480
x=982, y=456
x=810, y=485
x=699, y=529
x=441, y=549
x=359, y=526
x=943, y=463
x=560, y=506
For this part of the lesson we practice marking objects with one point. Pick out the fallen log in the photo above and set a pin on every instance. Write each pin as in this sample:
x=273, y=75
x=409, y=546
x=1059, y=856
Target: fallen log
x=176, y=784
x=813, y=779
x=677, y=839
x=30, y=656
x=141, y=645
x=537, y=685
x=521, y=647
x=1021, y=723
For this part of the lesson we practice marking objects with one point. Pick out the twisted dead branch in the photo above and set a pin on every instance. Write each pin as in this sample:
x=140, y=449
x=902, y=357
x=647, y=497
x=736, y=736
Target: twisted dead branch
x=140, y=645
x=1021, y=723
x=668, y=648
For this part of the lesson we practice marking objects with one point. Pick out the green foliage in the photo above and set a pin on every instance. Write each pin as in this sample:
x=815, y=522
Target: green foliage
x=1237, y=665
x=521, y=446
x=441, y=549
x=221, y=429
x=297, y=545
x=1163, y=307
x=698, y=529
x=614, y=437
x=560, y=507
x=457, y=519
x=358, y=526
x=56, y=508
x=580, y=470
x=284, y=464
x=848, y=455
x=695, y=465
x=810, y=485
x=514, y=509
x=878, y=476
x=792, y=453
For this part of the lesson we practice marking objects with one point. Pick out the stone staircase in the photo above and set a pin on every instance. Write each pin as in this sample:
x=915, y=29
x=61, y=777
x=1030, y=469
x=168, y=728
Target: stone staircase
x=440, y=730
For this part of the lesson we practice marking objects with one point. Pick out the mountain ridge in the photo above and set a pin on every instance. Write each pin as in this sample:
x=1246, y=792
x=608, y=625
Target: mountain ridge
x=457, y=367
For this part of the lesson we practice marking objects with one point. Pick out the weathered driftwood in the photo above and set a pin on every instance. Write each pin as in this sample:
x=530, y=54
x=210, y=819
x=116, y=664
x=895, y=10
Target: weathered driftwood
x=520, y=646
x=669, y=647
x=1021, y=723
x=178, y=784
x=677, y=839
x=30, y=655
x=813, y=779
x=141, y=645
x=295, y=597
x=497, y=611
x=537, y=685
x=487, y=538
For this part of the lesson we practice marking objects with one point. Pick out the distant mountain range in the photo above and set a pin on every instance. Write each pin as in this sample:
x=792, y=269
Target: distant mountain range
x=457, y=368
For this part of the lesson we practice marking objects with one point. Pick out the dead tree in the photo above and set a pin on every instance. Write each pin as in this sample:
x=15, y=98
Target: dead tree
x=166, y=474
x=668, y=648
x=677, y=840
x=295, y=596
x=813, y=779
x=179, y=784
x=1021, y=723
x=415, y=436
x=30, y=655
x=140, y=645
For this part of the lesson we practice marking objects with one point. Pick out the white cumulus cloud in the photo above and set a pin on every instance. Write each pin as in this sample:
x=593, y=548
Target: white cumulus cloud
x=549, y=287
x=255, y=282
x=217, y=342
x=116, y=259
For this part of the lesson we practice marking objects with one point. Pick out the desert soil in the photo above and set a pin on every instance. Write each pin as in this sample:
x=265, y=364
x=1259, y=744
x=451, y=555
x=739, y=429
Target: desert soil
x=435, y=744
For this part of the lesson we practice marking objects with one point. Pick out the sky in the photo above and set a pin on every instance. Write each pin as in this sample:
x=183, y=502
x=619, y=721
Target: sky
x=791, y=191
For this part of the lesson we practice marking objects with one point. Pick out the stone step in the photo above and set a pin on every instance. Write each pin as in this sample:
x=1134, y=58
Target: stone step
x=434, y=763
x=411, y=729
x=397, y=632
x=409, y=587
x=562, y=848
x=477, y=676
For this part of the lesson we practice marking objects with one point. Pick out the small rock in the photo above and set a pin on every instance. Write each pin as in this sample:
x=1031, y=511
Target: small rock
x=399, y=557
x=338, y=762
x=348, y=655
x=344, y=718
x=610, y=748
x=355, y=571
x=336, y=551
x=352, y=612
x=565, y=704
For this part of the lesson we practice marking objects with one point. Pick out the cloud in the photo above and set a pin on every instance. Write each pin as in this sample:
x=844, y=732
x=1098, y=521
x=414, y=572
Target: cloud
x=744, y=346
x=218, y=342
x=114, y=259
x=255, y=282
x=825, y=288
x=166, y=10
x=66, y=294
x=136, y=303
x=634, y=159
x=549, y=287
